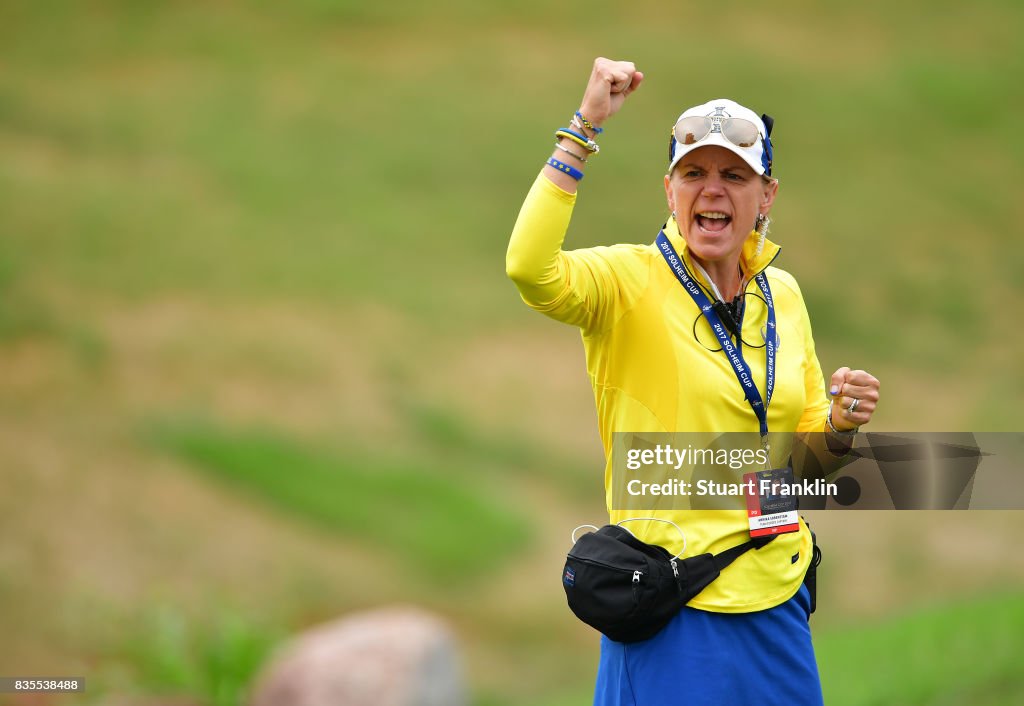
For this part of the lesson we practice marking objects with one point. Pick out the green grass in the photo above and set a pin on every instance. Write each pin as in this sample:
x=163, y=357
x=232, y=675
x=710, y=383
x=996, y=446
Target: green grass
x=169, y=652
x=434, y=520
x=309, y=152
x=349, y=156
x=445, y=433
x=954, y=654
x=216, y=663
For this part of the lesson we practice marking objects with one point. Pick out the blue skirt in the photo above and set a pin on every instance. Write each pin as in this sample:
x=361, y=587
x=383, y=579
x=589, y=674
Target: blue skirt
x=710, y=659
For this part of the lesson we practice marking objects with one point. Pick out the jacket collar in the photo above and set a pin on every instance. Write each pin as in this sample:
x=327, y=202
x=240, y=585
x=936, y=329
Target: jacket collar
x=752, y=262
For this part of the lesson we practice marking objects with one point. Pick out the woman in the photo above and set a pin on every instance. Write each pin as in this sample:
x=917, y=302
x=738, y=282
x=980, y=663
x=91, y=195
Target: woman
x=745, y=638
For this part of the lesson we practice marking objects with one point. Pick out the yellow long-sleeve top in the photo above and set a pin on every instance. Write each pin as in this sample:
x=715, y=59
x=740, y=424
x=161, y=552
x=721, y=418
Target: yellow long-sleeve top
x=651, y=374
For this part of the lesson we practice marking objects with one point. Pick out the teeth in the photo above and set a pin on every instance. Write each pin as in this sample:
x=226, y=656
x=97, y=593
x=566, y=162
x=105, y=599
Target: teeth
x=713, y=214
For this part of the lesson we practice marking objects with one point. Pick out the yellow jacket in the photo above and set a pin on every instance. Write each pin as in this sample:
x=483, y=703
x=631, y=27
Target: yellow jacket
x=650, y=374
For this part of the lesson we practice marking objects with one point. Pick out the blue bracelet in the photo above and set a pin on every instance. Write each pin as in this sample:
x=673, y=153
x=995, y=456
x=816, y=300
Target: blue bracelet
x=581, y=140
x=587, y=124
x=565, y=168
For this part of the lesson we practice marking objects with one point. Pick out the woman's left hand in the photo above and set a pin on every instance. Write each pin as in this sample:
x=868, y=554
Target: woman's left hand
x=856, y=388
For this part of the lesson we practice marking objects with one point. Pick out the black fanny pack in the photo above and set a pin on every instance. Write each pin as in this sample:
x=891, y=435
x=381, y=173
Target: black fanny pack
x=628, y=589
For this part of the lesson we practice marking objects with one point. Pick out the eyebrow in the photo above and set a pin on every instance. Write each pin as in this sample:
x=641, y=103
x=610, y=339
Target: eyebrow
x=735, y=168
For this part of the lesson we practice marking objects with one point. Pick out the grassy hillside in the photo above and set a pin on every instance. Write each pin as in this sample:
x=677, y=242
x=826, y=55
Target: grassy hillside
x=255, y=329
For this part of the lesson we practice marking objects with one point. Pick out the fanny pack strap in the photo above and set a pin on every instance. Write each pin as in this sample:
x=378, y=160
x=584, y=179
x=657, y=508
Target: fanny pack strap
x=727, y=557
x=694, y=574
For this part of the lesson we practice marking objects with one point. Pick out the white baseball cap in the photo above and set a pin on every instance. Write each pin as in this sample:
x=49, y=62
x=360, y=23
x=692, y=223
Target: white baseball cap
x=728, y=124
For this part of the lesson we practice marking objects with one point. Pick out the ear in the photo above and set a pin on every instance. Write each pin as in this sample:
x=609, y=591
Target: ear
x=770, y=189
x=668, y=194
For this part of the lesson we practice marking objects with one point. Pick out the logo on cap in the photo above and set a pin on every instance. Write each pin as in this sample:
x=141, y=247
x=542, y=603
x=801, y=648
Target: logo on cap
x=717, y=117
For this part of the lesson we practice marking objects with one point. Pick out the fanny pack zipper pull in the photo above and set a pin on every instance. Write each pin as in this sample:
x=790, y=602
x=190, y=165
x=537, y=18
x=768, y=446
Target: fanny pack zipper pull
x=636, y=576
x=675, y=570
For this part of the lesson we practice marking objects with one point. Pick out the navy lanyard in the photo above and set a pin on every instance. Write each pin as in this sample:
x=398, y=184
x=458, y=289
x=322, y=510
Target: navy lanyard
x=733, y=351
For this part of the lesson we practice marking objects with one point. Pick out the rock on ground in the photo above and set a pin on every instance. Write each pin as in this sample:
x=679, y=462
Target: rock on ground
x=388, y=657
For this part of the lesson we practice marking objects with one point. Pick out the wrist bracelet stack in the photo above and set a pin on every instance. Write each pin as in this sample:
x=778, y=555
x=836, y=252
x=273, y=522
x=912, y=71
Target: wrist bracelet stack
x=576, y=133
x=828, y=419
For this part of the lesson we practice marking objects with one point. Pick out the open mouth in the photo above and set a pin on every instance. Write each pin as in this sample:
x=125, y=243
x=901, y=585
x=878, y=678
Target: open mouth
x=713, y=221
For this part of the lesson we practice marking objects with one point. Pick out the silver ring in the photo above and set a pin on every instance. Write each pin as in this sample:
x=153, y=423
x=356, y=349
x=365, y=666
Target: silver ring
x=853, y=407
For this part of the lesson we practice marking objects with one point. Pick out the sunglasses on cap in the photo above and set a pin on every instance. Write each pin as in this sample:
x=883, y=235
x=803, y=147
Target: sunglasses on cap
x=739, y=131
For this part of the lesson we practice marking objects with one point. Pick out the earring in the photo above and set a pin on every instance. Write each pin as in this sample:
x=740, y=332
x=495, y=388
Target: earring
x=761, y=226
x=673, y=215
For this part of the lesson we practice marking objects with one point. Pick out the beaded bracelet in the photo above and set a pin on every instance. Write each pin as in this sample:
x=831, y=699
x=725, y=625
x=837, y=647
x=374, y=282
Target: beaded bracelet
x=589, y=125
x=579, y=139
x=565, y=168
x=560, y=146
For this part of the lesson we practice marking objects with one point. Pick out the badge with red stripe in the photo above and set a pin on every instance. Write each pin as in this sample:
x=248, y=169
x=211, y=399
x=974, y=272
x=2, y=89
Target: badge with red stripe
x=771, y=503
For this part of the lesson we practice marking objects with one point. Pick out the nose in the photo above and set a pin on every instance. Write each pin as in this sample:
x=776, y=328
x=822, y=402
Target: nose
x=713, y=185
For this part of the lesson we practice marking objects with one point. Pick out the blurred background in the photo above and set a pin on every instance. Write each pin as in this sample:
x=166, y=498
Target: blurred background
x=260, y=365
